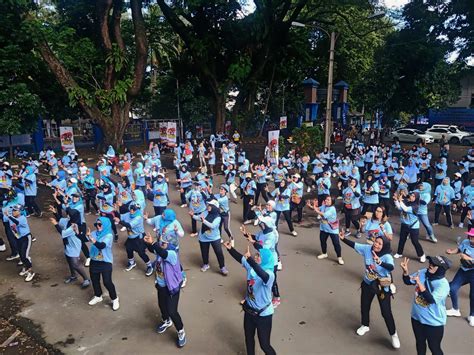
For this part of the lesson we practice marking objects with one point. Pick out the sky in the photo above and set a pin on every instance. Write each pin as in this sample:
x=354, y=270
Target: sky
x=393, y=4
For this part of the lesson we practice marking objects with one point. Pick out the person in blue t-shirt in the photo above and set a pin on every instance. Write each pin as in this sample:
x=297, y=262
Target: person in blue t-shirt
x=464, y=276
x=379, y=265
x=257, y=306
x=443, y=198
x=428, y=312
x=351, y=205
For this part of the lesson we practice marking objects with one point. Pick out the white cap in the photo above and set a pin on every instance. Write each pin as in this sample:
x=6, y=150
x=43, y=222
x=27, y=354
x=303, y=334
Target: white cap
x=73, y=180
x=213, y=203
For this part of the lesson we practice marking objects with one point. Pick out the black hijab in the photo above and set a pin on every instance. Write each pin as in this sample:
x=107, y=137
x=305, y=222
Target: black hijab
x=211, y=216
x=386, y=248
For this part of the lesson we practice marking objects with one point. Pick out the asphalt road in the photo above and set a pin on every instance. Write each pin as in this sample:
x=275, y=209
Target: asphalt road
x=319, y=313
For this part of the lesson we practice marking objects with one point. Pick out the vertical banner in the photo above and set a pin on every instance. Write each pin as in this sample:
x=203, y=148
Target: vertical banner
x=163, y=132
x=171, y=134
x=283, y=122
x=228, y=127
x=273, y=145
x=199, y=132
x=66, y=135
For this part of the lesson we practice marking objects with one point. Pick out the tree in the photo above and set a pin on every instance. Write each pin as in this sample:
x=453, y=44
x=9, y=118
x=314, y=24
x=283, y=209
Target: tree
x=105, y=97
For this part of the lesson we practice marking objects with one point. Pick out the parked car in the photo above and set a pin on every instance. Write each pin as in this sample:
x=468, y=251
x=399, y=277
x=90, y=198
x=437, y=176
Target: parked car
x=468, y=140
x=411, y=135
x=452, y=134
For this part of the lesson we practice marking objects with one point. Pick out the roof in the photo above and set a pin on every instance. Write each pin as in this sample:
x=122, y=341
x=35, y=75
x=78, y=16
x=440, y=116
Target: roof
x=342, y=84
x=310, y=82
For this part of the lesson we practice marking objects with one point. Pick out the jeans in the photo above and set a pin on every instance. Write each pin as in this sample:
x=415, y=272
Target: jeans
x=263, y=326
x=104, y=269
x=427, y=333
x=426, y=223
x=366, y=297
x=216, y=245
x=323, y=236
x=447, y=210
x=460, y=279
x=169, y=306
x=414, y=233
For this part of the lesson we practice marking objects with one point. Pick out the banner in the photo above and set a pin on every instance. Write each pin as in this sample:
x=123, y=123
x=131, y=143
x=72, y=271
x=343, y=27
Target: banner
x=164, y=132
x=153, y=135
x=283, y=122
x=228, y=127
x=199, y=132
x=66, y=135
x=273, y=145
x=171, y=133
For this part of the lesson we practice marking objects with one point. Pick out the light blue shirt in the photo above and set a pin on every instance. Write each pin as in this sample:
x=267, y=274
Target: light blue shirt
x=259, y=293
x=329, y=218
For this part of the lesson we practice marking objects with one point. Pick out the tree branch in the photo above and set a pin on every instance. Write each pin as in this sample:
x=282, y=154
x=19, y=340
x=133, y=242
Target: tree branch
x=103, y=10
x=141, y=47
x=117, y=16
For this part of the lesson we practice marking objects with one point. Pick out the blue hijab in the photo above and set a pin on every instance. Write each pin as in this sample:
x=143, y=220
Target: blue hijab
x=140, y=199
x=267, y=260
x=168, y=217
x=106, y=227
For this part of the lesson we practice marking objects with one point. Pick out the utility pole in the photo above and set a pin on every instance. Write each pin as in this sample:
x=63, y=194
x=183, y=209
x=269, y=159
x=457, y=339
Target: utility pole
x=328, y=128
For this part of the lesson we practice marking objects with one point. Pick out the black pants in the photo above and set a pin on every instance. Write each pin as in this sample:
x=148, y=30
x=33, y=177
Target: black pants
x=263, y=326
x=464, y=212
x=299, y=209
x=216, y=245
x=183, y=195
x=385, y=202
x=447, y=210
x=84, y=240
x=352, y=215
x=414, y=233
x=425, y=175
x=24, y=246
x=323, y=236
x=169, y=306
x=275, y=290
x=75, y=267
x=368, y=207
x=11, y=239
x=287, y=215
x=136, y=245
x=261, y=190
x=366, y=297
x=159, y=210
x=225, y=222
x=247, y=212
x=31, y=205
x=427, y=334
x=90, y=200
x=98, y=269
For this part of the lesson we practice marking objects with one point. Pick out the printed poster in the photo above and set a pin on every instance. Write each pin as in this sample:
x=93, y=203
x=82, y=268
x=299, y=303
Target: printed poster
x=163, y=132
x=283, y=122
x=66, y=135
x=171, y=133
x=273, y=145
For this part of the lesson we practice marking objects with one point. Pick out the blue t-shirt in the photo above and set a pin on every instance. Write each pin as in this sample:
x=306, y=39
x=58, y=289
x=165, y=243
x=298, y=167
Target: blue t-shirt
x=373, y=271
x=259, y=293
x=466, y=248
x=372, y=228
x=329, y=221
x=105, y=254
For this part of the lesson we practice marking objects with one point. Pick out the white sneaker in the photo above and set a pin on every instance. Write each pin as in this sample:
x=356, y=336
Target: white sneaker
x=308, y=190
x=3, y=248
x=322, y=256
x=423, y=258
x=294, y=233
x=453, y=312
x=255, y=222
x=23, y=272
x=279, y=266
x=395, y=341
x=123, y=229
x=232, y=243
x=470, y=319
x=397, y=256
x=12, y=257
x=88, y=262
x=115, y=304
x=248, y=221
x=95, y=300
x=183, y=205
x=362, y=330
x=340, y=261
x=29, y=276
x=185, y=281
x=461, y=225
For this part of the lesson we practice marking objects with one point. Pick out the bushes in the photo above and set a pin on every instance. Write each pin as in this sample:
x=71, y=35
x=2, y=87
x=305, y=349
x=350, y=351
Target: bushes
x=308, y=140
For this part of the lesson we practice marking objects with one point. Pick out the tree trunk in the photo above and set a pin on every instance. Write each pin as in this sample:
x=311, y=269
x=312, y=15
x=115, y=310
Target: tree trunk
x=219, y=109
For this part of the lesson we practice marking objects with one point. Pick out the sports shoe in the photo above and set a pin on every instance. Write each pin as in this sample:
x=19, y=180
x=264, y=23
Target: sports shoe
x=88, y=262
x=294, y=233
x=451, y=226
x=13, y=257
x=161, y=328
x=183, y=205
x=308, y=190
x=39, y=215
x=461, y=225
x=192, y=235
x=255, y=222
x=276, y=301
x=20, y=263
x=70, y=279
x=435, y=224
x=470, y=319
x=123, y=229
x=95, y=300
x=433, y=239
x=232, y=243
x=362, y=330
x=358, y=235
x=224, y=271
x=149, y=271
x=279, y=266
x=423, y=258
x=29, y=276
x=205, y=267
x=185, y=281
x=85, y=284
x=130, y=266
x=3, y=248
x=397, y=256
x=33, y=239
x=453, y=312
x=322, y=256
x=115, y=304
x=181, y=338
x=23, y=272
x=347, y=233
x=248, y=221
x=395, y=341
x=340, y=261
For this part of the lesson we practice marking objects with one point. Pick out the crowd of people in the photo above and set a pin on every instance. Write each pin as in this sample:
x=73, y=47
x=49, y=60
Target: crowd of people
x=367, y=185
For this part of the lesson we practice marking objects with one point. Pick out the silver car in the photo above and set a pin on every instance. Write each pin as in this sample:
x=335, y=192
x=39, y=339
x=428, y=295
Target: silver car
x=411, y=135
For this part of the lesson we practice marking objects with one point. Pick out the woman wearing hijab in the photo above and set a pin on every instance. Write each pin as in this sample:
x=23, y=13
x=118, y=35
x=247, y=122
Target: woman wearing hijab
x=424, y=189
x=464, y=276
x=282, y=195
x=444, y=197
x=297, y=202
x=106, y=206
x=91, y=191
x=258, y=306
x=101, y=261
x=370, y=194
x=410, y=224
x=411, y=171
x=379, y=265
x=350, y=198
x=168, y=283
x=140, y=182
x=209, y=235
x=75, y=209
x=428, y=312
x=31, y=190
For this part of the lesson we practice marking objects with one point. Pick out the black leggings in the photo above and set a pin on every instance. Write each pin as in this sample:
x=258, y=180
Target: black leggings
x=247, y=213
x=98, y=269
x=263, y=326
x=323, y=236
x=24, y=246
x=136, y=245
x=447, y=210
x=464, y=212
x=366, y=297
x=287, y=215
x=75, y=267
x=84, y=240
x=216, y=245
x=368, y=207
x=169, y=306
x=261, y=190
x=385, y=202
x=299, y=209
x=31, y=205
x=414, y=233
x=427, y=334
x=351, y=215
x=90, y=200
x=225, y=222
x=275, y=290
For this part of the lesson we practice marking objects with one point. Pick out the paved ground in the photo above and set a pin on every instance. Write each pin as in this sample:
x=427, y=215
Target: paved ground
x=319, y=313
